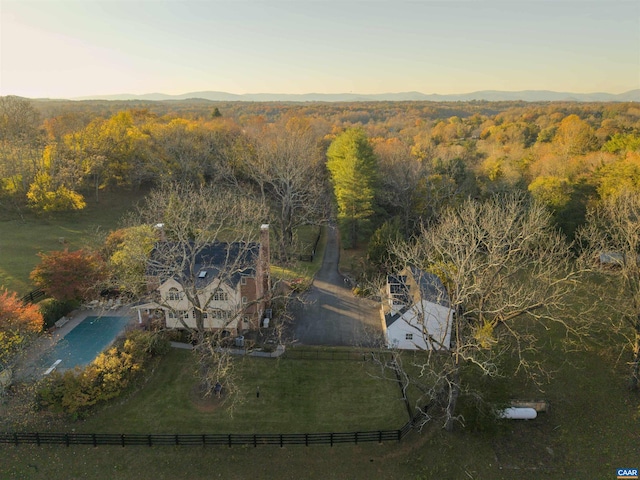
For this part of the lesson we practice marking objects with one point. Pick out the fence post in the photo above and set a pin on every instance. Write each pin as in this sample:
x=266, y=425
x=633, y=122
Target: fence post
x=38, y=439
x=229, y=440
x=280, y=440
x=66, y=439
x=255, y=442
x=122, y=439
x=331, y=439
x=93, y=437
x=15, y=439
x=306, y=439
x=379, y=436
x=149, y=441
x=177, y=439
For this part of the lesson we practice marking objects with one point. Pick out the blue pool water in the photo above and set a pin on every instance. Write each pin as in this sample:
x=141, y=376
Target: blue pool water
x=82, y=344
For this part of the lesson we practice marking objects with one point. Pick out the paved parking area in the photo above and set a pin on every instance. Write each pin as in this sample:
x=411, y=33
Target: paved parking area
x=331, y=314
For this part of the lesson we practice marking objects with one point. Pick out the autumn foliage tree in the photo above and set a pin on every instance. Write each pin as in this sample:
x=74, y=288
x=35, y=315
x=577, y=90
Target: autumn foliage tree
x=68, y=275
x=127, y=252
x=17, y=323
x=43, y=196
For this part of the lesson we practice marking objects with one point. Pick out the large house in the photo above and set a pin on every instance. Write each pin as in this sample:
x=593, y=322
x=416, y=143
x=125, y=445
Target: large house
x=416, y=313
x=225, y=285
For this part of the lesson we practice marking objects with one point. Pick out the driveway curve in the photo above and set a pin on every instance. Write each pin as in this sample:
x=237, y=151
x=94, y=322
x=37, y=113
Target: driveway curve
x=331, y=314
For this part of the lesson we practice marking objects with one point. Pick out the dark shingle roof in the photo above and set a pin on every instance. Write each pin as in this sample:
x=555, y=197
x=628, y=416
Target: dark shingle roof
x=230, y=261
x=389, y=319
x=431, y=288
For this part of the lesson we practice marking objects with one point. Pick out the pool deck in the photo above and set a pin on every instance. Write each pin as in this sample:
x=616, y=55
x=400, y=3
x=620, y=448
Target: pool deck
x=28, y=366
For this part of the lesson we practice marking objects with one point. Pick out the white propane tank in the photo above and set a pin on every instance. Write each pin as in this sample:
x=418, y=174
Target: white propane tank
x=518, y=413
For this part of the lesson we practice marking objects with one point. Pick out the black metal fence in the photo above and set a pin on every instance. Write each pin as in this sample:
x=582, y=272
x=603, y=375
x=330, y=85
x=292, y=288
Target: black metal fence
x=228, y=440
x=318, y=354
x=310, y=256
x=34, y=296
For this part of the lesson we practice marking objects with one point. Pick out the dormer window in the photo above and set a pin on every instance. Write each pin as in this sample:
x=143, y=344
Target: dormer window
x=220, y=296
x=202, y=274
x=398, y=289
x=174, y=294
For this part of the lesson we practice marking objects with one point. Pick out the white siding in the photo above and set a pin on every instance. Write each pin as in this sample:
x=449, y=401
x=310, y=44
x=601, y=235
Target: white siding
x=433, y=318
x=227, y=303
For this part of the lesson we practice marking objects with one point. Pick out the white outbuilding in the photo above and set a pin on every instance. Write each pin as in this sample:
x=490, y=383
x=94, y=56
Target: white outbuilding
x=416, y=313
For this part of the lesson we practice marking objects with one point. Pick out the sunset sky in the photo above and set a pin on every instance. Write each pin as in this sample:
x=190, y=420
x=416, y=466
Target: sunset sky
x=66, y=49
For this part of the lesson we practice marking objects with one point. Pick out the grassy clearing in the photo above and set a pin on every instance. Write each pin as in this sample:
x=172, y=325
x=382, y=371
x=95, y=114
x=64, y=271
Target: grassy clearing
x=23, y=238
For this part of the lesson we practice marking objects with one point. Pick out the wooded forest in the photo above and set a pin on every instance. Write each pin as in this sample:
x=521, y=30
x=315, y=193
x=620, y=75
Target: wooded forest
x=57, y=155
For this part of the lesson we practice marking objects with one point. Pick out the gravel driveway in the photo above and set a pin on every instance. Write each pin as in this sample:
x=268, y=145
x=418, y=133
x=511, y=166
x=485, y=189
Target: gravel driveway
x=331, y=314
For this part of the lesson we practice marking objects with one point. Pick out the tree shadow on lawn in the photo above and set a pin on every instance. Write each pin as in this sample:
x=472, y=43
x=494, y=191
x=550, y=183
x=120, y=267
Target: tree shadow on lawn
x=529, y=445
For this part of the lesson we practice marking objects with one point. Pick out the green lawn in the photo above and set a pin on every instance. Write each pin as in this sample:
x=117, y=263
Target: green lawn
x=592, y=428
x=23, y=238
x=296, y=396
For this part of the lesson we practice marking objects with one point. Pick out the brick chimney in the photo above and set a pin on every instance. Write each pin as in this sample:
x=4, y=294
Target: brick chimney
x=263, y=279
x=159, y=228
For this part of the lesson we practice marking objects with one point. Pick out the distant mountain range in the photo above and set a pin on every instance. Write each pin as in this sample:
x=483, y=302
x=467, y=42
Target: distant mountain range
x=488, y=95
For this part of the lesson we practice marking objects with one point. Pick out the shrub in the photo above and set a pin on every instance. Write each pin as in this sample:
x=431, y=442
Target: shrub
x=52, y=310
x=18, y=323
x=151, y=343
x=75, y=391
x=299, y=285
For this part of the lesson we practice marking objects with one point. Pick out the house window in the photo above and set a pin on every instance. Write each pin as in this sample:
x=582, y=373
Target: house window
x=245, y=320
x=221, y=314
x=173, y=294
x=243, y=280
x=244, y=300
x=220, y=296
x=172, y=314
x=184, y=314
x=205, y=315
x=408, y=336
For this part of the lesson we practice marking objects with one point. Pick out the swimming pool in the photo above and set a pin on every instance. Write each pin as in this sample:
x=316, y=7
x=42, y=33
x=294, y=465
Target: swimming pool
x=83, y=344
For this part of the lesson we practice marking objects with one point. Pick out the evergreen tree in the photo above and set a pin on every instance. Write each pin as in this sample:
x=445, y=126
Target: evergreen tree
x=353, y=169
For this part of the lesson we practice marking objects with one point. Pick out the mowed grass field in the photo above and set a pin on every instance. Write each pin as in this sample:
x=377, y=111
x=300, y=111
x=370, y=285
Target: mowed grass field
x=592, y=428
x=296, y=396
x=22, y=238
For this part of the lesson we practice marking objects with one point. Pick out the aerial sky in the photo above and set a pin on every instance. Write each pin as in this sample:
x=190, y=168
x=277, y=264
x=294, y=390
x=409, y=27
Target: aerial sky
x=74, y=48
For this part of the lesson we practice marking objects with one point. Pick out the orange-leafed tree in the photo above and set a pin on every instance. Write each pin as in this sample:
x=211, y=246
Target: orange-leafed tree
x=17, y=323
x=68, y=276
